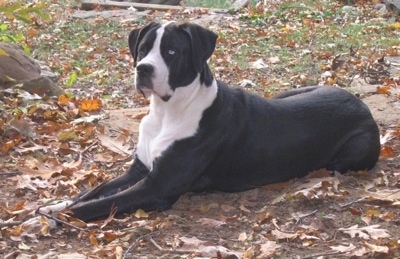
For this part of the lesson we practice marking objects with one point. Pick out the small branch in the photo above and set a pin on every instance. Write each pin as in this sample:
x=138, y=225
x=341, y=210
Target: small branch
x=323, y=255
x=60, y=221
x=135, y=242
x=173, y=251
x=352, y=202
x=305, y=215
x=10, y=174
x=10, y=224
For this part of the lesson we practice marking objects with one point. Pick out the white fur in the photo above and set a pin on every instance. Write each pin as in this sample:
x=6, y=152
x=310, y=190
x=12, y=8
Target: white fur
x=36, y=223
x=176, y=119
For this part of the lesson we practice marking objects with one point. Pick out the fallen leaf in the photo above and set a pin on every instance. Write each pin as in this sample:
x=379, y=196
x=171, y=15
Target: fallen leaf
x=268, y=249
x=90, y=105
x=387, y=151
x=116, y=146
x=383, y=90
x=211, y=222
x=93, y=240
x=343, y=249
x=282, y=235
x=258, y=64
x=377, y=249
x=367, y=232
x=140, y=214
x=242, y=236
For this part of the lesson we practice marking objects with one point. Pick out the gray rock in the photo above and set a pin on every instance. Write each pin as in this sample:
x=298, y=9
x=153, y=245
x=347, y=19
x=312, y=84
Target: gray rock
x=17, y=69
x=393, y=5
x=46, y=71
x=42, y=86
x=16, y=65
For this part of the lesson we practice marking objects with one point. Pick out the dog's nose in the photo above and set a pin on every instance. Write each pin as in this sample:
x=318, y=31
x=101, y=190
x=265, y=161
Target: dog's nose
x=144, y=70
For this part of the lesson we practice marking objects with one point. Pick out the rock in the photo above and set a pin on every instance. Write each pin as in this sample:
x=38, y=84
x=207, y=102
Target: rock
x=393, y=5
x=15, y=64
x=380, y=7
x=42, y=86
x=19, y=70
x=46, y=71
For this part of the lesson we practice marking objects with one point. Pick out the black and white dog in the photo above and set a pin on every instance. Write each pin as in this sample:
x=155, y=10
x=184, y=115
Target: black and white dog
x=200, y=135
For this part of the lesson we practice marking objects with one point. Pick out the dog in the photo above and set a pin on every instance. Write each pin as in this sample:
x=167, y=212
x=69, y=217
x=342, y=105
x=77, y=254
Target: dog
x=201, y=135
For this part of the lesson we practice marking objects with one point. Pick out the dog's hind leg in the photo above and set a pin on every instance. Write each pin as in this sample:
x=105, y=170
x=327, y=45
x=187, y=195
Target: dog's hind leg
x=360, y=152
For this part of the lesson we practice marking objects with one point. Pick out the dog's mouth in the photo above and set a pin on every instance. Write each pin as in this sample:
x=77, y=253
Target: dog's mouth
x=144, y=86
x=147, y=91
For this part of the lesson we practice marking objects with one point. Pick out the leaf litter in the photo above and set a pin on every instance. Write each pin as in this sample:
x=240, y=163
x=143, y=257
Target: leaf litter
x=51, y=148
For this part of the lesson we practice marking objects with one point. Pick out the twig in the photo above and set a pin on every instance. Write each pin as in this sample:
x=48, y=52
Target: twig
x=60, y=221
x=10, y=174
x=10, y=224
x=174, y=251
x=352, y=202
x=323, y=254
x=88, y=147
x=136, y=241
x=305, y=215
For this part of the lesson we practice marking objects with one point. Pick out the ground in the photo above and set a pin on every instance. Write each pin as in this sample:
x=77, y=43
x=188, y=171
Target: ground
x=324, y=215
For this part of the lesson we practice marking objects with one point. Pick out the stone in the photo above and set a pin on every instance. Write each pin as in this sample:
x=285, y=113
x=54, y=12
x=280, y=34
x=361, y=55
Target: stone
x=15, y=64
x=42, y=86
x=17, y=69
x=393, y=5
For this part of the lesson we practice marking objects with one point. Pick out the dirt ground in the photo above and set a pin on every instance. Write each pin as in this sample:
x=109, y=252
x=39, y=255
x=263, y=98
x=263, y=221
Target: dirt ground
x=297, y=219
x=303, y=218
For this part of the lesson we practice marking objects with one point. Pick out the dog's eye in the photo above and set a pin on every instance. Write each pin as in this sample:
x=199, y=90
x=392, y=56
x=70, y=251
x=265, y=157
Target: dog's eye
x=171, y=52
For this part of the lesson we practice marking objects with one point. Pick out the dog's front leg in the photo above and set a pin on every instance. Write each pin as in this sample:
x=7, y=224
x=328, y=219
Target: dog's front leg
x=136, y=173
x=173, y=174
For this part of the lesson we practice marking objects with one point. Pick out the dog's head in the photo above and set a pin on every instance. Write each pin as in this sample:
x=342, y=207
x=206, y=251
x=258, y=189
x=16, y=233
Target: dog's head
x=172, y=55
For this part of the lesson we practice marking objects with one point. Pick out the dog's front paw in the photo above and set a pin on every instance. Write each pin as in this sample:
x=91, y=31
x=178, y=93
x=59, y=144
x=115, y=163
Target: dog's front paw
x=38, y=222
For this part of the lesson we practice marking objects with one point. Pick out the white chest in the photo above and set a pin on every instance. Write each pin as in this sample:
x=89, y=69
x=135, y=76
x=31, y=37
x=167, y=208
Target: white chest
x=171, y=121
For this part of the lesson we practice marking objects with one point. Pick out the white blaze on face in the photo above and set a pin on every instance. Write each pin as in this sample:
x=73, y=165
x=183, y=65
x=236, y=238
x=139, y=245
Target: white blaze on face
x=161, y=71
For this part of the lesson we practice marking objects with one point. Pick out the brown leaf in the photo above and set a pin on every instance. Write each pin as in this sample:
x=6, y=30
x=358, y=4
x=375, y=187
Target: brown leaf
x=367, y=232
x=282, y=235
x=268, y=249
x=387, y=151
x=119, y=147
x=383, y=90
x=211, y=222
x=140, y=214
x=90, y=105
x=93, y=241
x=343, y=249
x=377, y=249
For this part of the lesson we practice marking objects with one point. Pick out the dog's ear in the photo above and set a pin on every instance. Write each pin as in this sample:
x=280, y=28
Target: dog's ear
x=203, y=44
x=135, y=37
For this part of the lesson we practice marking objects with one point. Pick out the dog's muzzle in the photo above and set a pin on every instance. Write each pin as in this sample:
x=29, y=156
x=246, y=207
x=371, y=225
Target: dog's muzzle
x=144, y=85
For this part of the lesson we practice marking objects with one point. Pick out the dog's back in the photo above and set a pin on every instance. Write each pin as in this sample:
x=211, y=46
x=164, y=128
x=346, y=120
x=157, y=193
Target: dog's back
x=287, y=136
